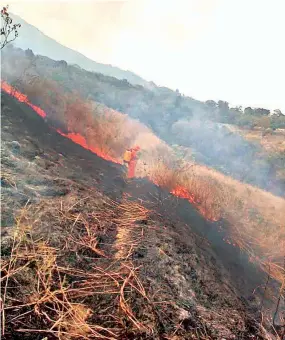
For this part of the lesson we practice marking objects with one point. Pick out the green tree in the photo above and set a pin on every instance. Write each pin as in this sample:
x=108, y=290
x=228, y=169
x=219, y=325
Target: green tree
x=261, y=112
x=249, y=111
x=223, y=106
x=277, y=112
x=224, y=112
x=211, y=104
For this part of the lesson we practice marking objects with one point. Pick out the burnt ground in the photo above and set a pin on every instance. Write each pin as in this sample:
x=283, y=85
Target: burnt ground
x=208, y=284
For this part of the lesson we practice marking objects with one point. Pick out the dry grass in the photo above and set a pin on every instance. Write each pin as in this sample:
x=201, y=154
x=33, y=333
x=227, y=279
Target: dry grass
x=271, y=142
x=109, y=131
x=8, y=179
x=60, y=279
x=180, y=178
x=129, y=235
x=103, y=130
x=257, y=217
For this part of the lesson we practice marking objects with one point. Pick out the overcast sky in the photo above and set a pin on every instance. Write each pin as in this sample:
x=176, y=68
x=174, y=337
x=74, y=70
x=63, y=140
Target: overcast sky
x=232, y=50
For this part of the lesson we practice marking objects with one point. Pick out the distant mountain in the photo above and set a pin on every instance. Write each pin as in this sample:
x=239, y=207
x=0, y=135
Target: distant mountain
x=32, y=38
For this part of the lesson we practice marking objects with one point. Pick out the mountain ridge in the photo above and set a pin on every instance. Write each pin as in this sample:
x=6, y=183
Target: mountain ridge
x=44, y=45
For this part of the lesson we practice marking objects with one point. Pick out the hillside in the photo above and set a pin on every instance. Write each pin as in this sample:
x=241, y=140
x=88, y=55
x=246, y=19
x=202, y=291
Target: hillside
x=213, y=195
x=173, y=117
x=191, y=246
x=105, y=258
x=271, y=142
x=44, y=45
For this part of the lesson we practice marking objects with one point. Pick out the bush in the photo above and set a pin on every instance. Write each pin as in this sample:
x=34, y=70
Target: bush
x=246, y=121
x=277, y=122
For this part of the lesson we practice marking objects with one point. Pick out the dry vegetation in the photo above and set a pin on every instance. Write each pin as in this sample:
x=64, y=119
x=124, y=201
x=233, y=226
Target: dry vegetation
x=184, y=296
x=104, y=130
x=68, y=272
x=109, y=131
x=257, y=218
x=61, y=276
x=271, y=141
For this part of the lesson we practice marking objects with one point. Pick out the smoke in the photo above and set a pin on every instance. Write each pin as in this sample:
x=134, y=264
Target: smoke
x=147, y=140
x=174, y=118
x=216, y=146
x=178, y=120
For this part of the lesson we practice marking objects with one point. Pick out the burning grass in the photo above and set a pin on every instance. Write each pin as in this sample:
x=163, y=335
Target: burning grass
x=256, y=217
x=88, y=242
x=92, y=125
x=61, y=277
x=179, y=178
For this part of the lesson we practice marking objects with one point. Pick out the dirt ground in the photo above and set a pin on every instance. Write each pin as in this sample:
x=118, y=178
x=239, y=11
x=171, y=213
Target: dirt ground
x=198, y=286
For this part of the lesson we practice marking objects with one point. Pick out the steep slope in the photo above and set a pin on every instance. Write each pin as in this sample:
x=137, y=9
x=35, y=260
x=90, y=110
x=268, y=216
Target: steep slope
x=213, y=194
x=193, y=291
x=174, y=118
x=32, y=38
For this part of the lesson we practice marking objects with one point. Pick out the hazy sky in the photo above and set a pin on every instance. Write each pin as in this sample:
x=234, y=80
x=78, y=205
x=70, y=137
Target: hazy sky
x=232, y=50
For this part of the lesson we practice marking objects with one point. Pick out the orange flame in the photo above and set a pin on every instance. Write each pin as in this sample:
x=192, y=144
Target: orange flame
x=182, y=192
x=77, y=138
x=21, y=98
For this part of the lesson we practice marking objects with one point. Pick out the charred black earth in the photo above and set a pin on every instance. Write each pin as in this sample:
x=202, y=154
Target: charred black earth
x=208, y=283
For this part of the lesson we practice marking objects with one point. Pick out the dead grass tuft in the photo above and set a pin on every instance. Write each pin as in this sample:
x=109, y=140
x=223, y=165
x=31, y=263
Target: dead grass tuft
x=129, y=234
x=60, y=278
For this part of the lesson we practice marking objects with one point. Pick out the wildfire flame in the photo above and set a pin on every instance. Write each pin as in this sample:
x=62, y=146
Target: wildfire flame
x=182, y=192
x=77, y=138
x=21, y=98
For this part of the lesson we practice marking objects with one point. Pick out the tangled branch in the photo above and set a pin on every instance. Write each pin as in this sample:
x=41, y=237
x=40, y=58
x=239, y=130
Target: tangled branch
x=9, y=31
